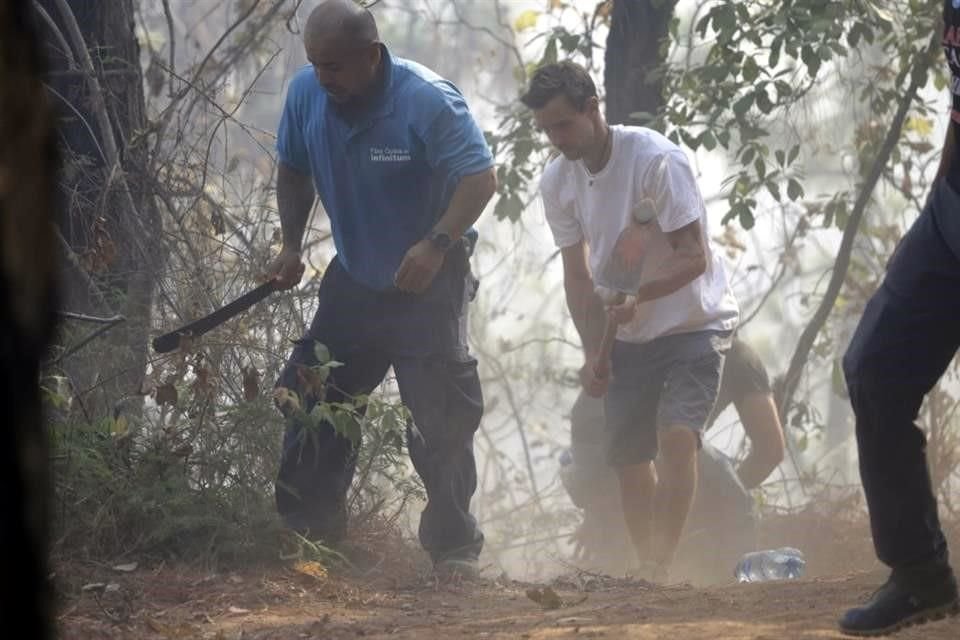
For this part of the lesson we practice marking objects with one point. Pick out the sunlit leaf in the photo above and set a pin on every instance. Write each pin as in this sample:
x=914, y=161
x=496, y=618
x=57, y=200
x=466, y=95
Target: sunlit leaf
x=311, y=568
x=526, y=20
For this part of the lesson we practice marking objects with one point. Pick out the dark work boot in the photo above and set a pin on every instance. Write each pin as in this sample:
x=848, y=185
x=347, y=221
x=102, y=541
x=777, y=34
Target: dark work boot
x=895, y=606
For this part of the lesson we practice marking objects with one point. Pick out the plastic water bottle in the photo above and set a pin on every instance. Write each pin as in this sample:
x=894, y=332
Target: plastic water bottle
x=785, y=563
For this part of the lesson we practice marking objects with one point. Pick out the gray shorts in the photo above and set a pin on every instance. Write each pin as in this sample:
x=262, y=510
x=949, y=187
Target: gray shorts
x=669, y=381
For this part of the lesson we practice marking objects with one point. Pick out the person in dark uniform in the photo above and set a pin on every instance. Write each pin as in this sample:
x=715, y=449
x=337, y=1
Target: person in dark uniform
x=908, y=335
x=721, y=526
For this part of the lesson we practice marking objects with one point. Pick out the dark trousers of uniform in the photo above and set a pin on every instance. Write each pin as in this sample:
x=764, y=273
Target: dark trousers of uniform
x=904, y=342
x=423, y=338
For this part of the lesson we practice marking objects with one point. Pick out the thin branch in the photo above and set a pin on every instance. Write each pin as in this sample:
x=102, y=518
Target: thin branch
x=812, y=330
x=81, y=317
x=74, y=260
x=99, y=107
x=55, y=30
x=109, y=324
x=173, y=42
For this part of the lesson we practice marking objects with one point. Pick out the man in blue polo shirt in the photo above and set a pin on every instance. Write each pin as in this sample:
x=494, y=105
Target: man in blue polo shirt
x=403, y=172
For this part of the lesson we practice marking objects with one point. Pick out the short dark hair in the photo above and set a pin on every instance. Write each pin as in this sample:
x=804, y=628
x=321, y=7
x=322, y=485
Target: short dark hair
x=566, y=79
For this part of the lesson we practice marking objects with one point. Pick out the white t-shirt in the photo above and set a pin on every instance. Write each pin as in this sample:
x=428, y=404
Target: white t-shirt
x=597, y=207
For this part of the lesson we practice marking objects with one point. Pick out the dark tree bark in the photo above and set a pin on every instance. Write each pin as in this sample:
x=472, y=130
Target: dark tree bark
x=28, y=163
x=635, y=54
x=112, y=227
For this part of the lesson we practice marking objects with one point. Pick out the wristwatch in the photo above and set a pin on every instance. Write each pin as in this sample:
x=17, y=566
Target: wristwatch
x=440, y=240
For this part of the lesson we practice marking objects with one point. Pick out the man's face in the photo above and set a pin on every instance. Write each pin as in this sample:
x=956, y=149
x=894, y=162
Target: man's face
x=570, y=131
x=345, y=72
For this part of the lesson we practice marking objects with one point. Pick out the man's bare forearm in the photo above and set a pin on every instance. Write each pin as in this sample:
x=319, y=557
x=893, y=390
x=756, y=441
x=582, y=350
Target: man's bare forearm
x=295, y=196
x=682, y=268
x=587, y=311
x=467, y=203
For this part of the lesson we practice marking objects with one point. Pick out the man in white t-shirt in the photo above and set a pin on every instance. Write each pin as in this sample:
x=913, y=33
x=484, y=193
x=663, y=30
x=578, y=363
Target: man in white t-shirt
x=666, y=362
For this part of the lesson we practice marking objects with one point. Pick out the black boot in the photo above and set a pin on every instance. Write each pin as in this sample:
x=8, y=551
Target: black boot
x=896, y=605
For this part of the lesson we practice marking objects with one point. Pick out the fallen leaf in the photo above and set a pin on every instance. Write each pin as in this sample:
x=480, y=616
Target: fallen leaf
x=311, y=568
x=201, y=384
x=237, y=610
x=312, y=382
x=120, y=427
x=94, y=586
x=125, y=568
x=216, y=221
x=251, y=383
x=166, y=394
x=157, y=627
x=285, y=399
x=186, y=342
x=102, y=252
x=545, y=597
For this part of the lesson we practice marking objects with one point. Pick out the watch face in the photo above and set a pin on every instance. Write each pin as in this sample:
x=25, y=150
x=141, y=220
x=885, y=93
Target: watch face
x=440, y=240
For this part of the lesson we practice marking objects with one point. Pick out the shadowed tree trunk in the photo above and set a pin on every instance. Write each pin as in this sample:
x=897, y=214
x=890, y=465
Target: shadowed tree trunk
x=112, y=228
x=636, y=50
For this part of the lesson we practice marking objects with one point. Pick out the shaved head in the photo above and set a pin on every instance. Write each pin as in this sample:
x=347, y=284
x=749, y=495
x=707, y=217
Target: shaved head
x=343, y=45
x=342, y=20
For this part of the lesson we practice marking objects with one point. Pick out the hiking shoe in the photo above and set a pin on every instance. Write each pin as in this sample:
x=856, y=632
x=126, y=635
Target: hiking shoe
x=457, y=569
x=893, y=607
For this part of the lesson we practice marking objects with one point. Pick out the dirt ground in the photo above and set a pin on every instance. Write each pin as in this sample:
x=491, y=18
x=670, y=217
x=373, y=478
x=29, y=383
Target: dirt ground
x=395, y=597
x=287, y=605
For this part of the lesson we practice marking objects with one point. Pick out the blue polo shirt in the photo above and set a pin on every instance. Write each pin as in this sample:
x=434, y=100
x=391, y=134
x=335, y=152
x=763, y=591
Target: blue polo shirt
x=385, y=175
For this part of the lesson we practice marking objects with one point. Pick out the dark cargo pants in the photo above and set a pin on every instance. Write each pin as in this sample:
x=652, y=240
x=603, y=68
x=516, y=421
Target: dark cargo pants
x=904, y=342
x=424, y=338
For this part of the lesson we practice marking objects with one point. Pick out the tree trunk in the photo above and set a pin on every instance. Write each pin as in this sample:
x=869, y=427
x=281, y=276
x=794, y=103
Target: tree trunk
x=635, y=55
x=112, y=226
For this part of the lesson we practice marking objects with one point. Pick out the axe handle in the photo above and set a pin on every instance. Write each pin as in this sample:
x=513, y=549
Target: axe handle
x=609, y=337
x=606, y=345
x=171, y=341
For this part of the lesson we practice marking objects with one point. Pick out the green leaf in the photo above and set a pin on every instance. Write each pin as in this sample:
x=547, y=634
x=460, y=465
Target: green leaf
x=569, y=42
x=741, y=106
x=764, y=103
x=746, y=218
x=750, y=69
x=724, y=20
x=794, y=152
x=509, y=207
x=689, y=140
x=550, y=52
x=838, y=380
x=321, y=352
x=774, y=190
x=794, y=190
x=775, y=48
x=811, y=59
x=709, y=142
x=761, y=167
